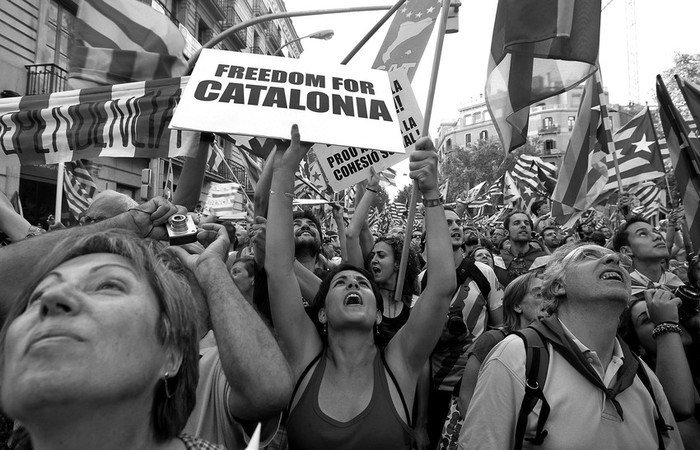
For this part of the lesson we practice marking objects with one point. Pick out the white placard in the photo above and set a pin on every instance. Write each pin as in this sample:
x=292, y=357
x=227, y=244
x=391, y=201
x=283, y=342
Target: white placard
x=347, y=166
x=257, y=95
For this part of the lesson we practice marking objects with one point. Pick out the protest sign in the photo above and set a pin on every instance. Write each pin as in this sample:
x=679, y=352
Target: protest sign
x=225, y=200
x=257, y=95
x=347, y=166
x=125, y=120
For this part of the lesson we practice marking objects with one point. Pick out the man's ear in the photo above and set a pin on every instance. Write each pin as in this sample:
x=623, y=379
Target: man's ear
x=626, y=250
x=379, y=318
x=322, y=315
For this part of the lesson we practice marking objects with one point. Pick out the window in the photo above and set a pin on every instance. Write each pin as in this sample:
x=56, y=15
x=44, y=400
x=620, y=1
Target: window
x=570, y=122
x=449, y=143
x=483, y=135
x=468, y=138
x=548, y=122
x=549, y=145
x=476, y=117
x=60, y=34
x=487, y=116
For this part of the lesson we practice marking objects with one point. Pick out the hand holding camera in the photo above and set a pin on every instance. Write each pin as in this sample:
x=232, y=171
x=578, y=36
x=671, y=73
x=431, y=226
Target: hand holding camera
x=662, y=305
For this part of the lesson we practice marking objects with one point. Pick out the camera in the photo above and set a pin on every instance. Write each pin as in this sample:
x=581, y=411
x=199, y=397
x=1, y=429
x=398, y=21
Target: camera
x=690, y=302
x=455, y=322
x=181, y=230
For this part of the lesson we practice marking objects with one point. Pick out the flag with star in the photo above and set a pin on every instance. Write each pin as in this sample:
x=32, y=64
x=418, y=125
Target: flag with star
x=691, y=94
x=316, y=176
x=684, y=156
x=511, y=193
x=408, y=36
x=638, y=154
x=539, y=49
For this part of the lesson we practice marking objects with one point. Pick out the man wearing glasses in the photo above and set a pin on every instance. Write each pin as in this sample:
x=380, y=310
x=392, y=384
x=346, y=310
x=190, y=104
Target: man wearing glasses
x=597, y=394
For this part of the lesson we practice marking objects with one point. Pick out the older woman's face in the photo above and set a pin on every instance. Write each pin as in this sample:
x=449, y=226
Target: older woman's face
x=531, y=304
x=88, y=335
x=484, y=256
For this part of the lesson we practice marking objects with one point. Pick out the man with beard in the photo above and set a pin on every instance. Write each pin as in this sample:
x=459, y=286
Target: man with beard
x=307, y=242
x=522, y=252
x=471, y=238
x=550, y=239
x=476, y=305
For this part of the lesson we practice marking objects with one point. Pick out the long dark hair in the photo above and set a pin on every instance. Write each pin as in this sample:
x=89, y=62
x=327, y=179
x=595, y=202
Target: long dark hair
x=409, y=283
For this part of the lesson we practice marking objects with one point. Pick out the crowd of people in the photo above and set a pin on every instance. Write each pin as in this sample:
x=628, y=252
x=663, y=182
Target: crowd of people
x=506, y=334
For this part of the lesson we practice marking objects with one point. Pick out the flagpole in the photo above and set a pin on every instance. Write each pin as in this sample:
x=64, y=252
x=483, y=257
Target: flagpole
x=398, y=293
x=280, y=15
x=61, y=168
x=371, y=32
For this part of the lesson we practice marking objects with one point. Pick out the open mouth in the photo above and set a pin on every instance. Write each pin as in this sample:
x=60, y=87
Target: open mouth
x=611, y=276
x=353, y=299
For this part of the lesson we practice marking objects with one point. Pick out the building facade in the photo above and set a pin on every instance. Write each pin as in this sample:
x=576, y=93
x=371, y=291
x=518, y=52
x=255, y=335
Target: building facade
x=551, y=124
x=35, y=47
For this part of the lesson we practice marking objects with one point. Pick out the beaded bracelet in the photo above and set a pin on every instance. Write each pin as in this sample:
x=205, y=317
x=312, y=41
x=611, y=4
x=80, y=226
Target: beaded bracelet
x=665, y=328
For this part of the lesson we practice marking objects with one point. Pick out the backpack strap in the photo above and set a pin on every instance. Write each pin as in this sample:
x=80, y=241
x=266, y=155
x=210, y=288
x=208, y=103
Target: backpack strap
x=662, y=428
x=536, y=364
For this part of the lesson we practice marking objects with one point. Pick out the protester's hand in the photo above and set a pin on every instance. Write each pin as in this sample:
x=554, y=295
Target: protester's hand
x=150, y=217
x=337, y=211
x=423, y=166
x=257, y=238
x=624, y=203
x=662, y=305
x=292, y=155
x=214, y=238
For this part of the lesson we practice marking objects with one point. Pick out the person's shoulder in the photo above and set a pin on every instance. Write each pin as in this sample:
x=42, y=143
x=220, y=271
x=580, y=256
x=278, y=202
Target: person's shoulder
x=510, y=351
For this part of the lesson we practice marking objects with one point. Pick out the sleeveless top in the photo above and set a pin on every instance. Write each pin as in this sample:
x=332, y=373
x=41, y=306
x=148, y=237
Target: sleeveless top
x=390, y=325
x=379, y=426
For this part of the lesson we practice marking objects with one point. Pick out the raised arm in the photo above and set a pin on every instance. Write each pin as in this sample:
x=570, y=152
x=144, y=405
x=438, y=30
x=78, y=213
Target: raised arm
x=297, y=332
x=359, y=219
x=413, y=343
x=246, y=346
x=337, y=211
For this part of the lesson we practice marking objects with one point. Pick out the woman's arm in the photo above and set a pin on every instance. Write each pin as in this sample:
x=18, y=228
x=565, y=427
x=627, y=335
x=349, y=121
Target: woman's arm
x=337, y=211
x=297, y=332
x=466, y=390
x=359, y=219
x=413, y=343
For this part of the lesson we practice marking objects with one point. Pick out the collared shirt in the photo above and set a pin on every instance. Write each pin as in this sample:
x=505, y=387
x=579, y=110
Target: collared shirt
x=609, y=375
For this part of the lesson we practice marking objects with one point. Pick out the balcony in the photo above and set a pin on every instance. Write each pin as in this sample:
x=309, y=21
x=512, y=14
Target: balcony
x=274, y=39
x=160, y=7
x=45, y=79
x=240, y=38
x=549, y=129
x=258, y=8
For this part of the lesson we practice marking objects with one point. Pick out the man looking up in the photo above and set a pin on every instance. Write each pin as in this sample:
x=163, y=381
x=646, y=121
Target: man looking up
x=600, y=394
x=307, y=242
x=550, y=239
x=522, y=252
x=646, y=247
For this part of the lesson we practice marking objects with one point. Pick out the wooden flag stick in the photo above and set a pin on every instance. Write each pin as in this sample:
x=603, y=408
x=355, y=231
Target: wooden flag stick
x=401, y=277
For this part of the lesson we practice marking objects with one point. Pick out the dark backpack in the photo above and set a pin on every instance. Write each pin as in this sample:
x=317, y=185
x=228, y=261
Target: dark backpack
x=536, y=363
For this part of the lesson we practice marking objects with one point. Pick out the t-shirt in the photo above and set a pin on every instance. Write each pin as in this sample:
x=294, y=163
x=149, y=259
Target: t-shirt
x=516, y=265
x=450, y=354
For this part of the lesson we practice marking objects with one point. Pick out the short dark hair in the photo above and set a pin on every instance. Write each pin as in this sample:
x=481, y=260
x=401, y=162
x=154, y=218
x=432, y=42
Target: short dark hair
x=597, y=237
x=545, y=229
x=308, y=214
x=620, y=238
x=248, y=263
x=506, y=219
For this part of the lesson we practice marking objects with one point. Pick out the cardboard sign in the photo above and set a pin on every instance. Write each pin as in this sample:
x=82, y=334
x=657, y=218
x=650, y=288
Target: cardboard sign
x=256, y=95
x=347, y=166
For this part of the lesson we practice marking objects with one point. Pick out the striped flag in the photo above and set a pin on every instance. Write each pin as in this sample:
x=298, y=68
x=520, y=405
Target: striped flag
x=444, y=188
x=316, y=176
x=638, y=157
x=216, y=157
x=79, y=187
x=474, y=192
x=121, y=41
x=388, y=175
x=583, y=173
x=540, y=48
x=511, y=193
x=527, y=171
x=252, y=169
x=691, y=94
x=652, y=200
x=684, y=156
x=126, y=120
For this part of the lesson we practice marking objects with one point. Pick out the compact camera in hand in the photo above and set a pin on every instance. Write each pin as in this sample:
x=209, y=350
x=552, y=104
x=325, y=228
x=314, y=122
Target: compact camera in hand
x=181, y=230
x=690, y=302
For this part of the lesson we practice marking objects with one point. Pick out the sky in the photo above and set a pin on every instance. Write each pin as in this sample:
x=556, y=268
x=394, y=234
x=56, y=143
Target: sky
x=662, y=29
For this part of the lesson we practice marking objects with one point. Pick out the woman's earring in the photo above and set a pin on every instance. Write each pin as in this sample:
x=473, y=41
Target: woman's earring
x=167, y=389
x=325, y=328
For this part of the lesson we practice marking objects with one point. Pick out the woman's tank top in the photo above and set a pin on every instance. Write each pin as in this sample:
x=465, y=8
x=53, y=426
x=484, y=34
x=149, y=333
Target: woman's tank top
x=379, y=426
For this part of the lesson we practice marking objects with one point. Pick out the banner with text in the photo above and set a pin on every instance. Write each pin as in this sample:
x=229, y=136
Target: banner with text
x=125, y=121
x=258, y=95
x=347, y=166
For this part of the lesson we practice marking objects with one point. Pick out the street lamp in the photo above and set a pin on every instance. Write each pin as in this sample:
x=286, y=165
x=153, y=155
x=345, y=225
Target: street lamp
x=323, y=34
